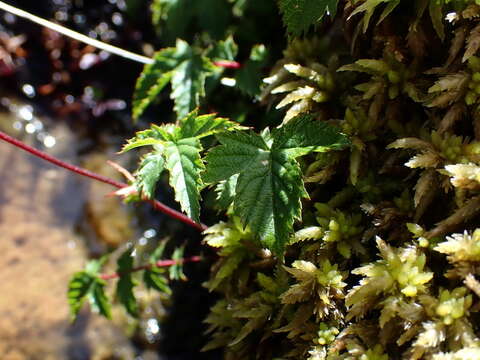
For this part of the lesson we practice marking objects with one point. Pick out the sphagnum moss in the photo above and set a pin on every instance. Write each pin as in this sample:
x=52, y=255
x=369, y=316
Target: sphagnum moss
x=407, y=97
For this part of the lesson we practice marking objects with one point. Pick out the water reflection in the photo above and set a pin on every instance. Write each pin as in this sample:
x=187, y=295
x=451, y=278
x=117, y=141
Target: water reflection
x=25, y=120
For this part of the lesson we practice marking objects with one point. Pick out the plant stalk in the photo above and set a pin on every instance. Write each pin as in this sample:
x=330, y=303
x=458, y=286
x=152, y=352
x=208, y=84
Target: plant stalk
x=160, y=263
x=84, y=172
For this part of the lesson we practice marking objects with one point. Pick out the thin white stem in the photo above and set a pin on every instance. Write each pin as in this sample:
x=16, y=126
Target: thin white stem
x=75, y=35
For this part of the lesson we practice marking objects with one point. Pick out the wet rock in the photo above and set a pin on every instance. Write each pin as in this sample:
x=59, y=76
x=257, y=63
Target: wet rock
x=109, y=220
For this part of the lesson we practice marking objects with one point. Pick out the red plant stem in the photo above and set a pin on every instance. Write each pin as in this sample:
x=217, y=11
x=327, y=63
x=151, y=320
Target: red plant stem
x=157, y=205
x=228, y=64
x=160, y=263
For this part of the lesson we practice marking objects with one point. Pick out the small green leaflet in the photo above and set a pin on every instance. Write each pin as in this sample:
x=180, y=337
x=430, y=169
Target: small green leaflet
x=78, y=289
x=126, y=283
x=270, y=185
x=177, y=148
x=299, y=15
x=148, y=174
x=155, y=277
x=182, y=66
x=188, y=82
x=87, y=285
x=223, y=50
x=151, y=81
x=176, y=271
x=98, y=300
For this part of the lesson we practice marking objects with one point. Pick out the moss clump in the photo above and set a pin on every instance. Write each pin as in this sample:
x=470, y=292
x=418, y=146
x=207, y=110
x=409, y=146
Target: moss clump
x=406, y=93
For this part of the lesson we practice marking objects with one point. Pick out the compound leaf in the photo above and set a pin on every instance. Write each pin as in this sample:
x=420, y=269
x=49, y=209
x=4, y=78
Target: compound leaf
x=87, y=285
x=177, y=148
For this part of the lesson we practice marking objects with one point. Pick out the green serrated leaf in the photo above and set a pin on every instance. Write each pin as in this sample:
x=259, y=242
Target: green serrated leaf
x=155, y=278
x=270, y=186
x=300, y=137
x=86, y=284
x=152, y=80
x=201, y=126
x=156, y=135
x=177, y=148
x=98, y=299
x=176, y=271
x=125, y=284
x=148, y=174
x=158, y=253
x=184, y=164
x=188, y=84
x=268, y=198
x=184, y=67
x=145, y=96
x=78, y=289
x=238, y=154
x=136, y=142
x=299, y=15
x=224, y=50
